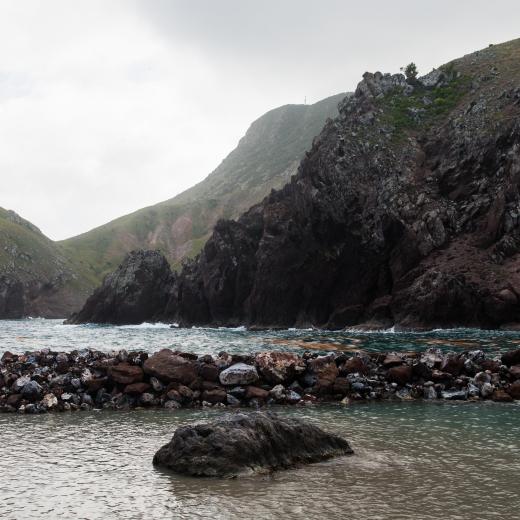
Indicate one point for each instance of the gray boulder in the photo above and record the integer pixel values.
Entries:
(236, 444)
(239, 374)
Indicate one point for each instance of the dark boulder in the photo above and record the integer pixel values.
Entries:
(136, 291)
(168, 366)
(400, 374)
(511, 358)
(241, 443)
(126, 374)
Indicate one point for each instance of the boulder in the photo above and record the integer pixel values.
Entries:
(356, 364)
(237, 444)
(217, 395)
(514, 371)
(209, 372)
(49, 401)
(325, 371)
(392, 359)
(126, 374)
(31, 391)
(401, 374)
(514, 390)
(501, 396)
(239, 374)
(453, 364)
(20, 383)
(511, 358)
(167, 366)
(254, 392)
(279, 367)
(136, 388)
(454, 395)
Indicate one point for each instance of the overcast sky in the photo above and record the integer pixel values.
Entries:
(109, 106)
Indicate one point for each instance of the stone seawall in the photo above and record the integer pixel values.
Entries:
(42, 381)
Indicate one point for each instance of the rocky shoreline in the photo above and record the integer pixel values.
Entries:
(46, 381)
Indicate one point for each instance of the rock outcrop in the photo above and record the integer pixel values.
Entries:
(245, 443)
(137, 291)
(405, 212)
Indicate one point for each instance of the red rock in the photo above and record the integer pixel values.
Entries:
(136, 388)
(279, 367)
(514, 371)
(174, 395)
(341, 386)
(400, 375)
(209, 385)
(185, 392)
(511, 358)
(326, 372)
(514, 390)
(254, 392)
(14, 400)
(356, 364)
(218, 395)
(392, 360)
(167, 366)
(209, 372)
(453, 364)
(126, 374)
(94, 384)
(8, 357)
(501, 396)
(490, 364)
(441, 377)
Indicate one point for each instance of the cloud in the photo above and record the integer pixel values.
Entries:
(106, 107)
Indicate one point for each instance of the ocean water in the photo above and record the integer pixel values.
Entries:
(26, 335)
(412, 460)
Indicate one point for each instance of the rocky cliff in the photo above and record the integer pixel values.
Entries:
(265, 158)
(404, 212)
(39, 277)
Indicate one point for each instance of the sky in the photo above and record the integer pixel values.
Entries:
(110, 106)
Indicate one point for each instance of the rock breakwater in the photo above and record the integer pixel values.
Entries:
(44, 381)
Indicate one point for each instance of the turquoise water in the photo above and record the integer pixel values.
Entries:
(412, 461)
(22, 335)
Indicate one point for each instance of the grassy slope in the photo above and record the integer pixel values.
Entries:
(265, 158)
(29, 256)
(493, 69)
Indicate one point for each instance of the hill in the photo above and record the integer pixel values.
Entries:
(265, 158)
(36, 276)
(405, 212)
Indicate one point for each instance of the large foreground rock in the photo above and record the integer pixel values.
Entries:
(245, 443)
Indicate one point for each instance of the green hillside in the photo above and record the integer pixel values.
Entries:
(265, 158)
(37, 277)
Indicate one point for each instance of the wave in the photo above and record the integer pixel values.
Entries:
(146, 325)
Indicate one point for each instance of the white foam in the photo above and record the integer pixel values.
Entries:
(146, 325)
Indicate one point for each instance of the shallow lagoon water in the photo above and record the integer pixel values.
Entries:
(412, 460)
